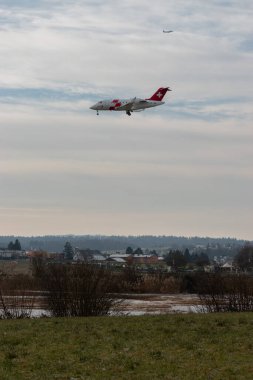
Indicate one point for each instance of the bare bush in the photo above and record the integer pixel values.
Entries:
(158, 283)
(132, 280)
(226, 293)
(77, 290)
(16, 298)
(171, 285)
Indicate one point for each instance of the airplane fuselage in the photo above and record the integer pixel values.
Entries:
(116, 104)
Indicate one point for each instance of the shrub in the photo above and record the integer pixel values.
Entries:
(77, 290)
(16, 298)
(222, 293)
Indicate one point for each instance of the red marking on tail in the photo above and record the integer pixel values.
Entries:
(159, 94)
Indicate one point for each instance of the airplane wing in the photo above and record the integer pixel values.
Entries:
(125, 107)
(128, 106)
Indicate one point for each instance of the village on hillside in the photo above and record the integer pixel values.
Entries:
(162, 260)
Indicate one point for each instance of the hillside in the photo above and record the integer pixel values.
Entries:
(107, 243)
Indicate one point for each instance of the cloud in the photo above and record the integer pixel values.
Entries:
(84, 46)
(183, 168)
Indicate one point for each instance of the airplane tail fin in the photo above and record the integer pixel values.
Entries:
(159, 94)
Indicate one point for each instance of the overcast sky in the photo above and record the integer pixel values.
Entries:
(185, 168)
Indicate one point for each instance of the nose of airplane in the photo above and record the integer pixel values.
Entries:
(93, 107)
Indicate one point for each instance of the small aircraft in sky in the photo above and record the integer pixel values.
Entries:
(167, 31)
(133, 104)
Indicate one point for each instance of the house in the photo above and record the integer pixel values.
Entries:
(123, 257)
(9, 254)
(52, 256)
(88, 255)
(115, 262)
(143, 259)
(227, 267)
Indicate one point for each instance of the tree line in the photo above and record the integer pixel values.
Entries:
(54, 243)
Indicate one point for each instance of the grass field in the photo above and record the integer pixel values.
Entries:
(189, 346)
(15, 266)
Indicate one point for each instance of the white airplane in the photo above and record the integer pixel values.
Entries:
(131, 105)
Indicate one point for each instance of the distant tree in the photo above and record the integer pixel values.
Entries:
(187, 255)
(17, 245)
(175, 259)
(202, 259)
(10, 245)
(14, 246)
(244, 258)
(138, 251)
(129, 251)
(68, 251)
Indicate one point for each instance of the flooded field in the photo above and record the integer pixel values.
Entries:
(129, 304)
(155, 304)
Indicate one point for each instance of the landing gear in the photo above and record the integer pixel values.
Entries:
(128, 113)
(97, 113)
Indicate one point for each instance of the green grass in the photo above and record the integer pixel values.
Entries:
(161, 347)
